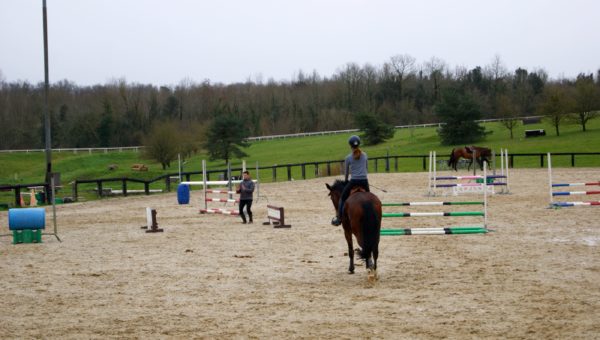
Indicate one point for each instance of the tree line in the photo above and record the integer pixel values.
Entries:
(398, 92)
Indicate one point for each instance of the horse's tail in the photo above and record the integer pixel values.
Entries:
(371, 226)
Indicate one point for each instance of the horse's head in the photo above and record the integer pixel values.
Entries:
(335, 192)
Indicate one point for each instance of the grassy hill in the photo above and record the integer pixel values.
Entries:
(29, 167)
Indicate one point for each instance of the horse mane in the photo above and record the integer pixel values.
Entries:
(338, 185)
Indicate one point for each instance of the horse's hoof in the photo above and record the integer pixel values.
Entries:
(351, 271)
(372, 275)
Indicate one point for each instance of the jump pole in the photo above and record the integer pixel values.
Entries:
(204, 182)
(53, 191)
(257, 183)
(504, 165)
(485, 194)
(550, 180)
(474, 161)
(429, 176)
(179, 166)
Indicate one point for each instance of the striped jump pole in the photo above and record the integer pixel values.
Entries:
(434, 231)
(569, 193)
(573, 204)
(219, 211)
(555, 185)
(211, 191)
(434, 214)
(464, 185)
(559, 204)
(223, 200)
(430, 203)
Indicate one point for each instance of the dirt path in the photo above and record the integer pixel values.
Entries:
(536, 276)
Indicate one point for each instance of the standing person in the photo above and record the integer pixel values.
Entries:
(356, 165)
(245, 190)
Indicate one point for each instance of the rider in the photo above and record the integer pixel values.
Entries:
(356, 164)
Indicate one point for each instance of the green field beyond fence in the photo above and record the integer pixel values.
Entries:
(23, 168)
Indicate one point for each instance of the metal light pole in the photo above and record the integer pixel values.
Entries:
(50, 185)
(46, 113)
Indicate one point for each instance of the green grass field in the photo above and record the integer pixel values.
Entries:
(30, 167)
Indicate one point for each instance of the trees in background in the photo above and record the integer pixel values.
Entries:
(587, 100)
(375, 131)
(556, 105)
(162, 144)
(225, 138)
(459, 112)
(399, 92)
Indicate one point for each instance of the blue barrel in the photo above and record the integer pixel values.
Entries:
(26, 218)
(183, 194)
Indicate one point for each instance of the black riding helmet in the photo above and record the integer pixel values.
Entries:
(354, 141)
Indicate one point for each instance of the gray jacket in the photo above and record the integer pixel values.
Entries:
(246, 189)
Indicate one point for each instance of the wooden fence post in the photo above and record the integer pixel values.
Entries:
(74, 191)
(18, 196)
(99, 187)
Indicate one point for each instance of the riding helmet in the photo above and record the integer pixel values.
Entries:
(354, 141)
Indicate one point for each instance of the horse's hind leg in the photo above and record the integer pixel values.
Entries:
(348, 235)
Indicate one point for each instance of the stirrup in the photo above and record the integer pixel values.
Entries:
(336, 221)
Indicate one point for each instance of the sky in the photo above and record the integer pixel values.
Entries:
(229, 41)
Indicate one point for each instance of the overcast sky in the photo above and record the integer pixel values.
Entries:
(226, 41)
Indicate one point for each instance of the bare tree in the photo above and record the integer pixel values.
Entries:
(403, 65)
(508, 113)
(497, 72)
(587, 100)
(435, 67)
(556, 105)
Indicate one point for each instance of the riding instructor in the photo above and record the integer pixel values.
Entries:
(356, 165)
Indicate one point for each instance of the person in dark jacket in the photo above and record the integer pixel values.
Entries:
(356, 164)
(245, 190)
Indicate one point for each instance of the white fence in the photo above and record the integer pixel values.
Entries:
(259, 138)
(78, 150)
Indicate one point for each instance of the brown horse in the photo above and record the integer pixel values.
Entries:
(361, 217)
(481, 154)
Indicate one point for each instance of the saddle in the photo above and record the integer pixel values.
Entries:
(357, 189)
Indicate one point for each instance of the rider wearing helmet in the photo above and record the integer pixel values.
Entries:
(356, 165)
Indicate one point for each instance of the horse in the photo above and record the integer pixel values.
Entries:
(481, 154)
(362, 217)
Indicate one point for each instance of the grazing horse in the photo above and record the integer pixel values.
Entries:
(361, 217)
(481, 154)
